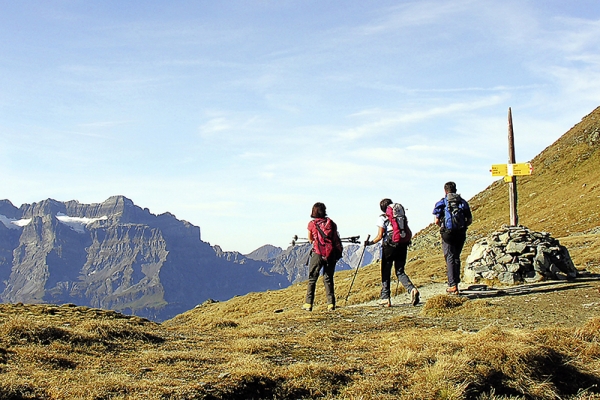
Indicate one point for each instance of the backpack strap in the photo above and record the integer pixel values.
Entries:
(320, 230)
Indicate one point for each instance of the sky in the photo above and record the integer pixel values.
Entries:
(238, 116)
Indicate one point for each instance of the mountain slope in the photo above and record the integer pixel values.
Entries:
(561, 197)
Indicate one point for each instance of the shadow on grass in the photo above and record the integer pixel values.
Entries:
(260, 387)
(552, 367)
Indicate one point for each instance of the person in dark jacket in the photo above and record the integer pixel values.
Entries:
(326, 251)
(392, 255)
(453, 215)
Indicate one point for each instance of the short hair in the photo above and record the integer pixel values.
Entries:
(450, 187)
(383, 204)
(318, 211)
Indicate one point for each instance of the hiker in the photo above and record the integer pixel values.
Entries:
(453, 216)
(326, 251)
(395, 235)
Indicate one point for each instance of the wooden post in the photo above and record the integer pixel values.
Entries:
(512, 185)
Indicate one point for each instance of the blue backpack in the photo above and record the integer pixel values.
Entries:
(454, 212)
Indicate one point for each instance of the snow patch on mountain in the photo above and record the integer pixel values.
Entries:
(12, 223)
(78, 224)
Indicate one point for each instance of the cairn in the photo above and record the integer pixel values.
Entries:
(515, 254)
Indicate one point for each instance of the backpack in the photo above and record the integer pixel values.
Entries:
(454, 213)
(327, 243)
(401, 233)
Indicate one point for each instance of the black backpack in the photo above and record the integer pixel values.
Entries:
(454, 213)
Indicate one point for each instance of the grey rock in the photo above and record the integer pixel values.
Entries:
(513, 268)
(505, 259)
(509, 278)
(477, 252)
(516, 247)
(533, 277)
(500, 268)
(489, 275)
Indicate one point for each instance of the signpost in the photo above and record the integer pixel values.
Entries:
(510, 172)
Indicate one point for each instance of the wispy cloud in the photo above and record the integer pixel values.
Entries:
(410, 14)
(392, 120)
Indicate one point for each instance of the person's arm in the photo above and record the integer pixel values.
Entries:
(379, 235)
(378, 238)
(310, 236)
(437, 212)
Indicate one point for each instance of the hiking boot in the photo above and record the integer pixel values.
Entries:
(452, 290)
(307, 307)
(330, 307)
(385, 302)
(414, 297)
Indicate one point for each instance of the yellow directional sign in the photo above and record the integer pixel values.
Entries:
(522, 169)
(499, 170)
(508, 170)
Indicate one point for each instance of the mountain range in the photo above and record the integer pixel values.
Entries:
(116, 255)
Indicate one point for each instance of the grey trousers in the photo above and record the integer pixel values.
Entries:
(314, 268)
(452, 245)
(395, 256)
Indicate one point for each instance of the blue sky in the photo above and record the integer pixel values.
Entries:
(237, 116)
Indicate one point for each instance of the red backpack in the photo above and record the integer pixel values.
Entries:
(401, 233)
(327, 242)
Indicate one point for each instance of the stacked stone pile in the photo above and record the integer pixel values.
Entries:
(516, 254)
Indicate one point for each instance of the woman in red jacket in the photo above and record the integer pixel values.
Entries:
(326, 251)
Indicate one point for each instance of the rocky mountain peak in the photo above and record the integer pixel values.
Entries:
(44, 207)
(8, 209)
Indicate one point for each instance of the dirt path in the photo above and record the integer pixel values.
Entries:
(550, 303)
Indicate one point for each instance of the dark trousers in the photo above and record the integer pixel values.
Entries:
(314, 268)
(395, 256)
(452, 245)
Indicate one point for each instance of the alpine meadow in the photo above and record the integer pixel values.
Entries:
(532, 341)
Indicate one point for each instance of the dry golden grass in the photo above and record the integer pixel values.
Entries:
(228, 350)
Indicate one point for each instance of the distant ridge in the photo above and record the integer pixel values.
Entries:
(265, 253)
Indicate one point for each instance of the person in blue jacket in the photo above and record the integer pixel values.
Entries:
(453, 216)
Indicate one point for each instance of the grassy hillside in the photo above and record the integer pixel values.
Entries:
(540, 343)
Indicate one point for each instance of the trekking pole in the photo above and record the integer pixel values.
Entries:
(357, 267)
(351, 239)
(295, 239)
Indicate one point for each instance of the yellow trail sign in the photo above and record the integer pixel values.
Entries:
(522, 169)
(511, 169)
(499, 170)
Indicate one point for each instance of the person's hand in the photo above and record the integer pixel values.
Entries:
(368, 243)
